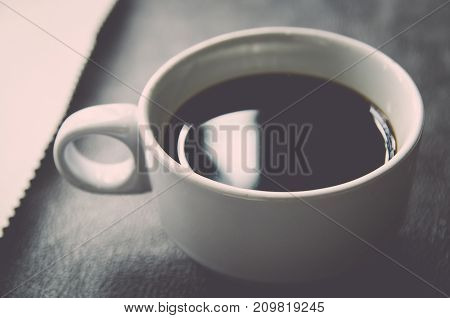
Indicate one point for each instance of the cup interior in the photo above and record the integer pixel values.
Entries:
(293, 50)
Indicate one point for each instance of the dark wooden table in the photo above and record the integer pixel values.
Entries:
(134, 258)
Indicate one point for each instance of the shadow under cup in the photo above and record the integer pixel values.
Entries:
(241, 232)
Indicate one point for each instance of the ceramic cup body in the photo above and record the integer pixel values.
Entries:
(250, 234)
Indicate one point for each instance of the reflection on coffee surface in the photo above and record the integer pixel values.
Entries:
(278, 132)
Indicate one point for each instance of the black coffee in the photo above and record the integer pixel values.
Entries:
(269, 132)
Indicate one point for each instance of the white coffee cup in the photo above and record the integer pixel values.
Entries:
(251, 234)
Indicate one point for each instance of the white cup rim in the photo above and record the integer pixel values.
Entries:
(198, 180)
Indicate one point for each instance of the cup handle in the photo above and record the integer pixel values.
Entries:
(114, 120)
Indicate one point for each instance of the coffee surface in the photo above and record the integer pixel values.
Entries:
(279, 132)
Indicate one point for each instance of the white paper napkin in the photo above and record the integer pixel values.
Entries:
(38, 75)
